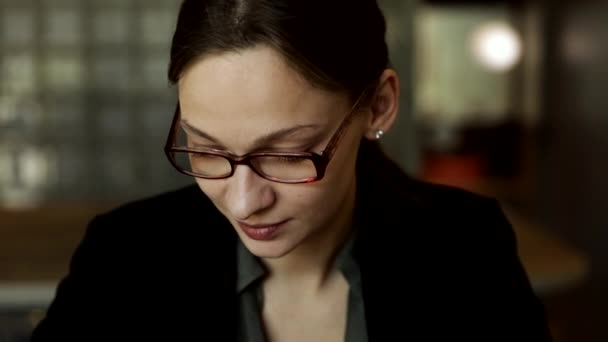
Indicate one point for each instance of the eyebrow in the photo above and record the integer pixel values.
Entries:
(264, 140)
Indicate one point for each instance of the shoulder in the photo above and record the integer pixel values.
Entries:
(454, 215)
(439, 218)
(448, 204)
(386, 188)
(460, 215)
(457, 233)
(160, 222)
(161, 205)
(434, 195)
(152, 236)
(390, 189)
(457, 249)
(172, 208)
(163, 247)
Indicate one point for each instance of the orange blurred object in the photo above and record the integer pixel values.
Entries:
(461, 170)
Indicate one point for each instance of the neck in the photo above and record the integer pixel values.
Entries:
(311, 264)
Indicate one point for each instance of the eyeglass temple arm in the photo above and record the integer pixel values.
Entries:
(341, 130)
(174, 128)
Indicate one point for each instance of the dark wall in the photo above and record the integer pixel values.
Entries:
(574, 148)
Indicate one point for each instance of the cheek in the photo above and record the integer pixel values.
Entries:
(213, 189)
(298, 195)
(313, 199)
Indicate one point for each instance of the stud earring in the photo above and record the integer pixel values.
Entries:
(379, 134)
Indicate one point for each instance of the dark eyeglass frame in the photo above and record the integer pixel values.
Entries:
(319, 160)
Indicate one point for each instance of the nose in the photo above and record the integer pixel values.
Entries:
(248, 193)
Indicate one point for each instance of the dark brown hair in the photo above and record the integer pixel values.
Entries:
(337, 45)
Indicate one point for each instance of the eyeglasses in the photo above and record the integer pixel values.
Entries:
(282, 167)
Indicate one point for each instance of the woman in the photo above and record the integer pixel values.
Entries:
(299, 228)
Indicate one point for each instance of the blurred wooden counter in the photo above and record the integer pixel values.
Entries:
(552, 264)
(36, 244)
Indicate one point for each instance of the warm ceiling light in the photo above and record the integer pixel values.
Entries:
(496, 46)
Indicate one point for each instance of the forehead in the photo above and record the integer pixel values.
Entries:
(255, 71)
(255, 86)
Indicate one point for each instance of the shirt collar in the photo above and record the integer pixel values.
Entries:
(347, 264)
(250, 269)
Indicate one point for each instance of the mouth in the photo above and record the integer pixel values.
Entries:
(262, 232)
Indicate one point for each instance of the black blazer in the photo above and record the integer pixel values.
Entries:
(437, 264)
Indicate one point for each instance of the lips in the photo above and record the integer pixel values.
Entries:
(262, 232)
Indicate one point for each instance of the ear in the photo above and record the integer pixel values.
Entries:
(384, 106)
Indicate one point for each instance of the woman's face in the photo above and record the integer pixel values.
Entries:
(238, 99)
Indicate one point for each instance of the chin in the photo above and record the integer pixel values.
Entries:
(266, 249)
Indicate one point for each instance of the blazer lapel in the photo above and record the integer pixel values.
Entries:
(203, 273)
(388, 219)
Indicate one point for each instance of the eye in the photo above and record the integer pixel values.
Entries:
(289, 159)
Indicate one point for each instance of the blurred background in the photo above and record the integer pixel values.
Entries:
(505, 98)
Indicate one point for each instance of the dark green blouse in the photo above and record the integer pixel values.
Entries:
(251, 272)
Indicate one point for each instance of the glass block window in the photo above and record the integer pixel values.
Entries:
(157, 26)
(63, 72)
(18, 72)
(114, 121)
(84, 102)
(154, 64)
(65, 114)
(63, 26)
(111, 26)
(112, 71)
(18, 27)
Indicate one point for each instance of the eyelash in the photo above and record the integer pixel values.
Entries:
(308, 149)
(289, 159)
